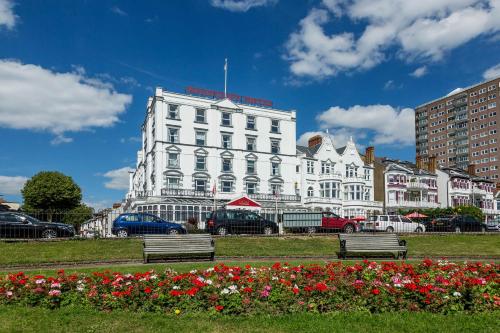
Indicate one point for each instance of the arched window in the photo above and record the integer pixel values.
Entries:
(310, 192)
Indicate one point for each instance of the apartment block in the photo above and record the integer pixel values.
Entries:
(462, 129)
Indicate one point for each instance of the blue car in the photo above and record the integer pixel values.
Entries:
(141, 223)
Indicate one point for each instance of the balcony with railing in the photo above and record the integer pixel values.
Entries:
(411, 204)
(272, 197)
(322, 200)
(417, 186)
(332, 175)
(179, 192)
(143, 194)
(354, 179)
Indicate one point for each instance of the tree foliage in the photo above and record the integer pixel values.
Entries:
(51, 191)
(78, 215)
(442, 212)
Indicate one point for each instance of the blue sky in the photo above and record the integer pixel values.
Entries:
(75, 75)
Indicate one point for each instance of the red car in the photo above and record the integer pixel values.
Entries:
(313, 222)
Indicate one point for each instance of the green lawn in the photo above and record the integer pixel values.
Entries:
(20, 319)
(24, 253)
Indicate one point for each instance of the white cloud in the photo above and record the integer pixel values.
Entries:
(132, 139)
(389, 85)
(419, 72)
(118, 11)
(12, 185)
(99, 205)
(492, 72)
(454, 91)
(118, 179)
(7, 16)
(241, 5)
(412, 30)
(389, 125)
(35, 98)
(339, 136)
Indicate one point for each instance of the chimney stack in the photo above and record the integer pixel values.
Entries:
(370, 155)
(314, 141)
(471, 169)
(432, 165)
(420, 164)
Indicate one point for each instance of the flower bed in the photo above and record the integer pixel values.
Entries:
(433, 286)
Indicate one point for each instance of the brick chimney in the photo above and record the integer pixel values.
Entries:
(471, 169)
(314, 141)
(432, 165)
(420, 163)
(370, 155)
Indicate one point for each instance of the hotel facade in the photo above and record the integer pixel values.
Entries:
(199, 153)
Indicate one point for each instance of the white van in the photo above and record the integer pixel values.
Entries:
(392, 223)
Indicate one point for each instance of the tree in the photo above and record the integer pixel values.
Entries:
(470, 210)
(51, 191)
(78, 215)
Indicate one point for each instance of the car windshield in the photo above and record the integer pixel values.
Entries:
(30, 219)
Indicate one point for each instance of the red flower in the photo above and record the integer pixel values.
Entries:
(320, 286)
(295, 291)
(192, 291)
(176, 293)
(147, 290)
(219, 308)
(247, 290)
(375, 291)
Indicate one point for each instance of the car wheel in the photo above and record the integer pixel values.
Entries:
(122, 233)
(311, 230)
(349, 229)
(419, 230)
(222, 231)
(173, 232)
(268, 231)
(49, 233)
(457, 230)
(390, 229)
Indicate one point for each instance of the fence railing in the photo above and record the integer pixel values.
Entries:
(112, 224)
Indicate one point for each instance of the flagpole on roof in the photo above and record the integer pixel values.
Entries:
(225, 78)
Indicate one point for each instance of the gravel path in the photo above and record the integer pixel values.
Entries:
(100, 264)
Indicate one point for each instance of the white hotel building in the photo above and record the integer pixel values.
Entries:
(191, 144)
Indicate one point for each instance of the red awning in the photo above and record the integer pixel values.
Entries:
(415, 215)
(243, 202)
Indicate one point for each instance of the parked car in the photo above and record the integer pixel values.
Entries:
(493, 225)
(314, 222)
(229, 221)
(392, 223)
(457, 223)
(19, 225)
(142, 223)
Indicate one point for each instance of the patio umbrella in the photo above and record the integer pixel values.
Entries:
(359, 218)
(415, 215)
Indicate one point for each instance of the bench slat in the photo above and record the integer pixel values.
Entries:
(178, 245)
(376, 244)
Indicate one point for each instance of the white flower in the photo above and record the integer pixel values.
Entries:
(224, 291)
(40, 281)
(55, 285)
(274, 278)
(209, 282)
(192, 271)
(211, 269)
(154, 277)
(457, 294)
(230, 275)
(233, 289)
(80, 287)
(176, 287)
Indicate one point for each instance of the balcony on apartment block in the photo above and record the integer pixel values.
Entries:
(411, 204)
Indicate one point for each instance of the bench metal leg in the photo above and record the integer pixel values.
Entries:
(212, 256)
(145, 258)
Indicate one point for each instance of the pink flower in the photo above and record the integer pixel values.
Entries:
(54, 292)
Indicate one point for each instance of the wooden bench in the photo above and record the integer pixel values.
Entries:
(176, 246)
(363, 245)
